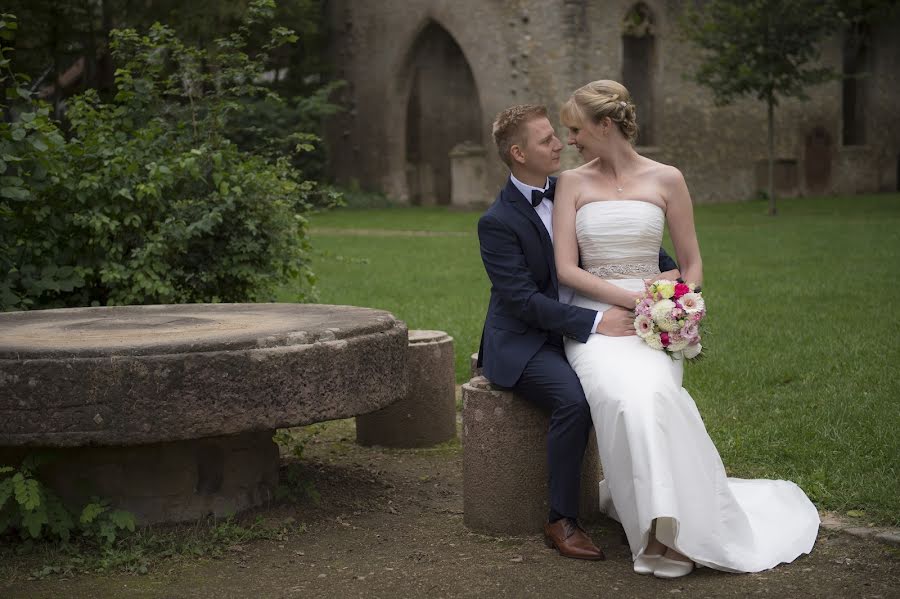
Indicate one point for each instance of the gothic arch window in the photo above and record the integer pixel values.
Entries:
(639, 67)
(855, 87)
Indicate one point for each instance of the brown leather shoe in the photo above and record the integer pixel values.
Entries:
(570, 540)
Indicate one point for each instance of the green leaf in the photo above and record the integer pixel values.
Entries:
(27, 490)
(90, 512)
(122, 519)
(38, 144)
(6, 490)
(107, 531)
(33, 521)
(59, 519)
(15, 193)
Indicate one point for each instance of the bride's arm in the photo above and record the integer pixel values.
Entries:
(565, 249)
(680, 219)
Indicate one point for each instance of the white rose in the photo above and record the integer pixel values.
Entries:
(654, 341)
(662, 315)
(677, 345)
(692, 351)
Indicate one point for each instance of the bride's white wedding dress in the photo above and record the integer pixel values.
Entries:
(658, 460)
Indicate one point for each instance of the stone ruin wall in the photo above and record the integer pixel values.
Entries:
(529, 51)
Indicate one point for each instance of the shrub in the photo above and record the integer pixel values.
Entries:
(147, 200)
(36, 512)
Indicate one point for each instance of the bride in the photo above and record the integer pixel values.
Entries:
(664, 479)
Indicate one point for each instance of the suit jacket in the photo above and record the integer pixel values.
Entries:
(524, 311)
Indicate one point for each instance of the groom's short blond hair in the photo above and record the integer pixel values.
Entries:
(509, 128)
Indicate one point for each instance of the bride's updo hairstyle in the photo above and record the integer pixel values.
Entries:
(598, 99)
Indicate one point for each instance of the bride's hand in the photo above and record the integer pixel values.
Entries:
(638, 296)
(669, 275)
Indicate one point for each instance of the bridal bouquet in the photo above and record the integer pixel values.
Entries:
(668, 317)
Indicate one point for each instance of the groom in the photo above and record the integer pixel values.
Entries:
(522, 342)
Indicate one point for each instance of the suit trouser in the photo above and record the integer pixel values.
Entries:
(549, 382)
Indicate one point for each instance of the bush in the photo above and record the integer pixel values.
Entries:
(36, 512)
(147, 200)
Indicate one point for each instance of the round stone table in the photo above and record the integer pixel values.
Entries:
(168, 411)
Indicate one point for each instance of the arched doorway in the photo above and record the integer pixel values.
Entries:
(443, 111)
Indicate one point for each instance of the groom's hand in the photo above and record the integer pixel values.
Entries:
(617, 322)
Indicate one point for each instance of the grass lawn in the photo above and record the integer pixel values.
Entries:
(802, 376)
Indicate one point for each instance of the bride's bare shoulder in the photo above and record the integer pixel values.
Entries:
(577, 174)
(665, 174)
(570, 179)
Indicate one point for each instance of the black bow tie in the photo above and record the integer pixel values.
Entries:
(537, 195)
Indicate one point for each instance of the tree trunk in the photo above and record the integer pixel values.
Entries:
(771, 152)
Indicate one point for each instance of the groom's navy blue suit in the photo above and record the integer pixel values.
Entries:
(521, 345)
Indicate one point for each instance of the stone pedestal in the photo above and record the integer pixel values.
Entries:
(476, 370)
(505, 463)
(165, 482)
(468, 168)
(426, 416)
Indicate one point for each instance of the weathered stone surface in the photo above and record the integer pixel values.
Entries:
(473, 365)
(148, 374)
(508, 52)
(505, 463)
(468, 168)
(427, 415)
(167, 482)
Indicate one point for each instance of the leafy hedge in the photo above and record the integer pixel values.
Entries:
(145, 198)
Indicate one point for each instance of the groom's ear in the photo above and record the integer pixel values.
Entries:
(516, 153)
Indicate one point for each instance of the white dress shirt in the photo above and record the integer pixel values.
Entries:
(545, 213)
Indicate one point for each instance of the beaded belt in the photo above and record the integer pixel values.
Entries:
(625, 270)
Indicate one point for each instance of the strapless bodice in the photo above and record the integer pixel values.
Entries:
(620, 239)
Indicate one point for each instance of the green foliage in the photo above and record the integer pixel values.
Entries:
(98, 520)
(57, 35)
(761, 48)
(283, 128)
(293, 486)
(27, 506)
(149, 200)
(141, 551)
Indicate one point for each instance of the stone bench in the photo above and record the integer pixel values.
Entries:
(426, 416)
(169, 411)
(505, 463)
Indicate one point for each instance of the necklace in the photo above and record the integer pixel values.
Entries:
(619, 189)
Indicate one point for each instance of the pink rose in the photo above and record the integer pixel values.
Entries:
(690, 329)
(664, 337)
(644, 306)
(681, 289)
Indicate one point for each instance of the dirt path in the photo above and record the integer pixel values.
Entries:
(389, 524)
